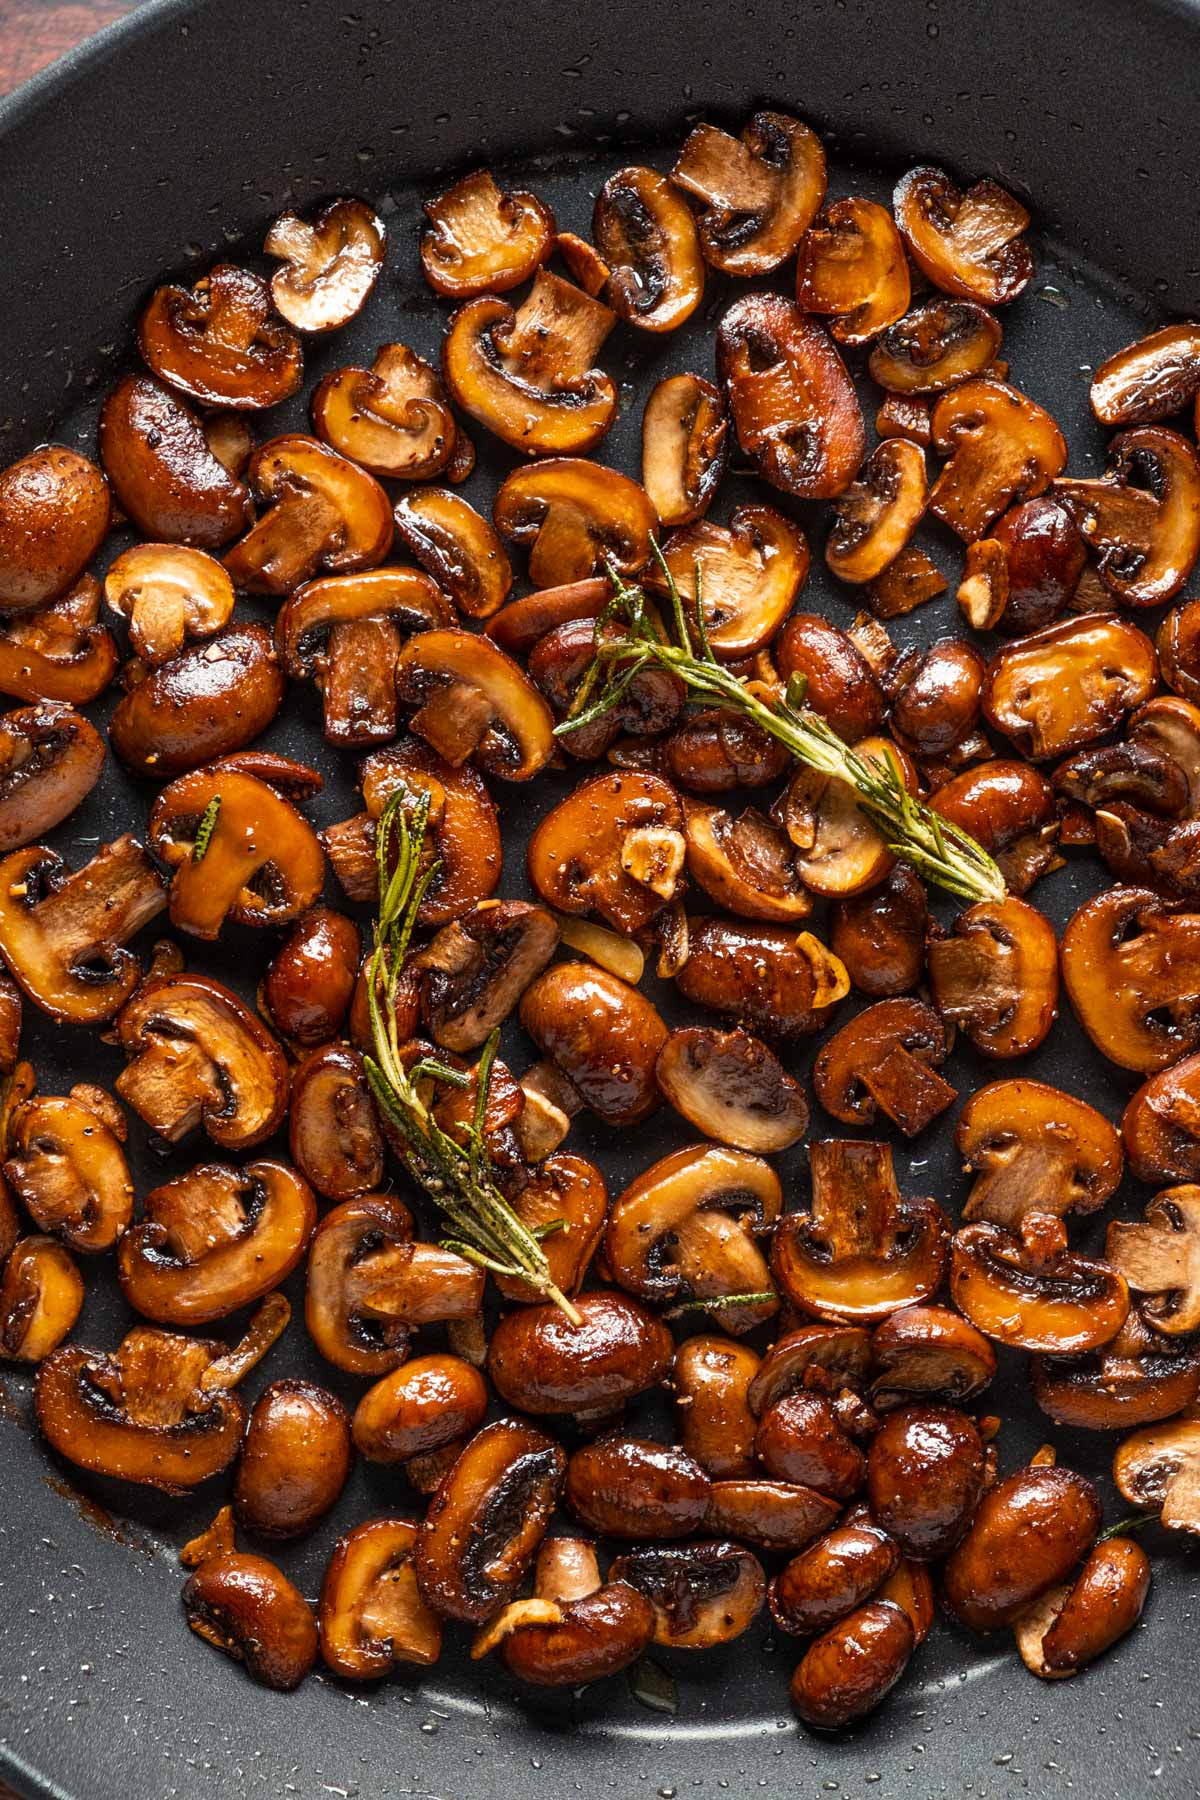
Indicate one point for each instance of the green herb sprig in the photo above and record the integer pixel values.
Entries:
(939, 851)
(458, 1177)
(205, 829)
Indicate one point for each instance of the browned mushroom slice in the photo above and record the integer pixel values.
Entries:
(1133, 772)
(574, 1630)
(1179, 649)
(578, 517)
(886, 1060)
(329, 267)
(1009, 808)
(1150, 379)
(732, 1088)
(457, 547)
(333, 1129)
(968, 244)
(996, 976)
(839, 682)
(471, 699)
(344, 632)
(372, 1615)
(703, 1593)
(50, 758)
(170, 595)
(603, 1035)
(1160, 1468)
(936, 695)
(1071, 1625)
(879, 512)
(904, 416)
(852, 265)
(745, 864)
(322, 512)
(393, 418)
(237, 850)
(794, 406)
(199, 1057)
(817, 1358)
(41, 1297)
(646, 235)
(59, 652)
(63, 935)
(927, 1352)
(747, 574)
(761, 190)
(769, 977)
(66, 1165)
(685, 445)
(209, 701)
(245, 1607)
(568, 1192)
(1002, 448)
(1070, 684)
(1136, 1378)
(1161, 1258)
(1142, 518)
(614, 847)
(936, 346)
(484, 241)
(220, 343)
(838, 850)
(907, 582)
(215, 1239)
(164, 472)
(55, 509)
(529, 376)
(1131, 964)
(1031, 1291)
(1161, 1125)
(474, 972)
(1029, 1532)
(862, 1249)
(1034, 1149)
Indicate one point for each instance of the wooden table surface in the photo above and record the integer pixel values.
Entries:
(34, 32)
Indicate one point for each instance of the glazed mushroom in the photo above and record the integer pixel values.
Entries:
(1136, 1378)
(1160, 1257)
(199, 1057)
(474, 972)
(578, 517)
(372, 1616)
(649, 704)
(939, 344)
(529, 375)
(886, 1061)
(685, 446)
(345, 632)
(879, 936)
(832, 1577)
(1069, 684)
(1141, 519)
(295, 1459)
(731, 1087)
(55, 509)
(713, 751)
(457, 547)
(711, 1377)
(1179, 649)
(50, 760)
(334, 1132)
(704, 1593)
(63, 936)
(60, 652)
(219, 343)
(1030, 1291)
(1149, 380)
(322, 512)
(1010, 809)
(575, 1629)
(936, 699)
(482, 240)
(1002, 448)
(839, 682)
(329, 267)
(838, 851)
(778, 982)
(245, 1607)
(67, 1166)
(1069, 1626)
(309, 984)
(862, 1249)
(1034, 1149)
(826, 1359)
(426, 1404)
(851, 1668)
(747, 574)
(214, 1240)
(793, 404)
(1161, 1125)
(1160, 1468)
(1131, 964)
(996, 976)
(237, 849)
(627, 1487)
(165, 474)
(800, 1439)
(852, 265)
(1029, 1533)
(393, 419)
(928, 1352)
(543, 1364)
(925, 1476)
(686, 1228)
(760, 191)
(211, 700)
(471, 699)
(1023, 575)
(907, 582)
(879, 512)
(646, 235)
(968, 244)
(171, 595)
(615, 847)
(41, 1297)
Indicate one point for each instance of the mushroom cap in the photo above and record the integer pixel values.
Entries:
(170, 594)
(968, 244)
(517, 736)
(458, 548)
(163, 470)
(50, 759)
(886, 1060)
(761, 191)
(939, 344)
(748, 574)
(851, 263)
(1150, 379)
(55, 509)
(329, 267)
(1034, 1148)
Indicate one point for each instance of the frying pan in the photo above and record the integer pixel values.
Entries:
(160, 146)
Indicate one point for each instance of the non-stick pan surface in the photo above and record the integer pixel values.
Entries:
(174, 137)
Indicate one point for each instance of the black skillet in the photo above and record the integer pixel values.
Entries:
(157, 147)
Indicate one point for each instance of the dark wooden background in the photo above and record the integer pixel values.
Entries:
(34, 32)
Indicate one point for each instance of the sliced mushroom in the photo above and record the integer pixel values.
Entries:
(219, 342)
(886, 1060)
(1160, 1257)
(1136, 1378)
(568, 1193)
(215, 1239)
(935, 347)
(704, 1593)
(646, 235)
(521, 625)
(333, 1130)
(936, 698)
(1009, 808)
(323, 512)
(199, 1057)
(1131, 964)
(578, 517)
(685, 446)
(1034, 1149)
(879, 936)
(614, 847)
(838, 851)
(329, 267)
(67, 1167)
(747, 575)
(529, 375)
(457, 547)
(63, 936)
(907, 582)
(862, 1249)
(794, 406)
(41, 1297)
(821, 1358)
(393, 419)
(1030, 1291)
(575, 1630)
(372, 1616)
(60, 653)
(472, 699)
(1029, 1533)
(761, 191)
(295, 1459)
(171, 595)
(482, 240)
(209, 701)
(778, 982)
(55, 510)
(733, 1088)
(247, 1608)
(165, 474)
(50, 759)
(745, 864)
(1002, 448)
(474, 972)
(1149, 380)
(1069, 684)
(852, 265)
(711, 1376)
(1141, 519)
(879, 512)
(968, 244)
(1160, 1468)
(996, 976)
(1179, 649)
(839, 682)
(1161, 1125)
(1069, 1626)
(928, 1352)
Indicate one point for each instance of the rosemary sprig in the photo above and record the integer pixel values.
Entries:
(458, 1177)
(719, 1303)
(936, 849)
